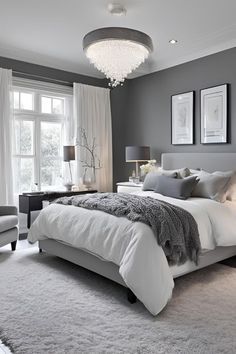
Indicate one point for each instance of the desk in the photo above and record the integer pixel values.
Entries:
(34, 201)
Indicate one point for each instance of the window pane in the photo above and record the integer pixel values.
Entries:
(51, 173)
(46, 105)
(16, 97)
(23, 174)
(51, 139)
(24, 133)
(57, 106)
(26, 101)
(51, 162)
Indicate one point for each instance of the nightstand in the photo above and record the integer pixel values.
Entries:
(128, 187)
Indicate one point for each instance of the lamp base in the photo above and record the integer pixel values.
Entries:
(68, 186)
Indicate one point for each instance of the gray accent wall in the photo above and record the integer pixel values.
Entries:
(147, 118)
(141, 108)
(47, 72)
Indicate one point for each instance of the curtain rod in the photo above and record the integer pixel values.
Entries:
(43, 78)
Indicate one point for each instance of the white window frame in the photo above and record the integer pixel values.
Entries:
(39, 89)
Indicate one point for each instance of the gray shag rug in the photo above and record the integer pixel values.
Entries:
(48, 305)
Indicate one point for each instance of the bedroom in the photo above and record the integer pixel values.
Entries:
(67, 307)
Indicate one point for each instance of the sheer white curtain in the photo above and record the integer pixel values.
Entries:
(6, 118)
(92, 114)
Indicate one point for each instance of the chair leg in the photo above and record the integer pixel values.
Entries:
(13, 245)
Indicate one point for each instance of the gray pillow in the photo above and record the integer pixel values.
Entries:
(175, 187)
(211, 186)
(150, 180)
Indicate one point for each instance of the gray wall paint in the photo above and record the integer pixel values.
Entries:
(148, 121)
(49, 73)
(141, 108)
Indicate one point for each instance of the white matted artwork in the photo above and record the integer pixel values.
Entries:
(182, 114)
(214, 115)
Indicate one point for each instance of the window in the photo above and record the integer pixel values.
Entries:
(52, 105)
(23, 100)
(39, 123)
(50, 154)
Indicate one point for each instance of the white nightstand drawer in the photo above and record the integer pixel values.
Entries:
(128, 187)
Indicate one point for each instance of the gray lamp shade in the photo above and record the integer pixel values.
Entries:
(68, 152)
(137, 153)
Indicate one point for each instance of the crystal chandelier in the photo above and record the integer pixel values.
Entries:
(117, 51)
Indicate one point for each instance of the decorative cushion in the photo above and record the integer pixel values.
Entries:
(7, 222)
(8, 210)
(211, 186)
(150, 180)
(176, 187)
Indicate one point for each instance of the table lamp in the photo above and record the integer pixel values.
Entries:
(137, 154)
(68, 156)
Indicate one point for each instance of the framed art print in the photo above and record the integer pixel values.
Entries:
(214, 115)
(182, 117)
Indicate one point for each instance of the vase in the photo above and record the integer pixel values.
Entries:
(89, 178)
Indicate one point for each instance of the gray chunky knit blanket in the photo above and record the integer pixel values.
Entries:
(175, 229)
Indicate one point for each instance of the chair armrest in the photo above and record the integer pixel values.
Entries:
(8, 210)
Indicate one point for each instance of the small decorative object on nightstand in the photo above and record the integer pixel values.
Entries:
(148, 167)
(128, 187)
(137, 154)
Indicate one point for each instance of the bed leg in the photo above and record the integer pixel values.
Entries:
(131, 297)
(40, 250)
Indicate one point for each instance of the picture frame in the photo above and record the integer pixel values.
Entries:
(182, 118)
(214, 115)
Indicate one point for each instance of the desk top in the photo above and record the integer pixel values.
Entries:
(54, 194)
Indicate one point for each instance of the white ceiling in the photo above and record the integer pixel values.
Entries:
(50, 32)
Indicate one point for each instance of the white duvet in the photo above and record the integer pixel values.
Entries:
(132, 246)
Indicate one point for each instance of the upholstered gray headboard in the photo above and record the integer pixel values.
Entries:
(209, 161)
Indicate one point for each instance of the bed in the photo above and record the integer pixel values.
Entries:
(129, 258)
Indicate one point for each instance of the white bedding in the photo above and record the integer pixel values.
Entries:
(132, 246)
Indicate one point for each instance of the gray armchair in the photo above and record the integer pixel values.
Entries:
(8, 226)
